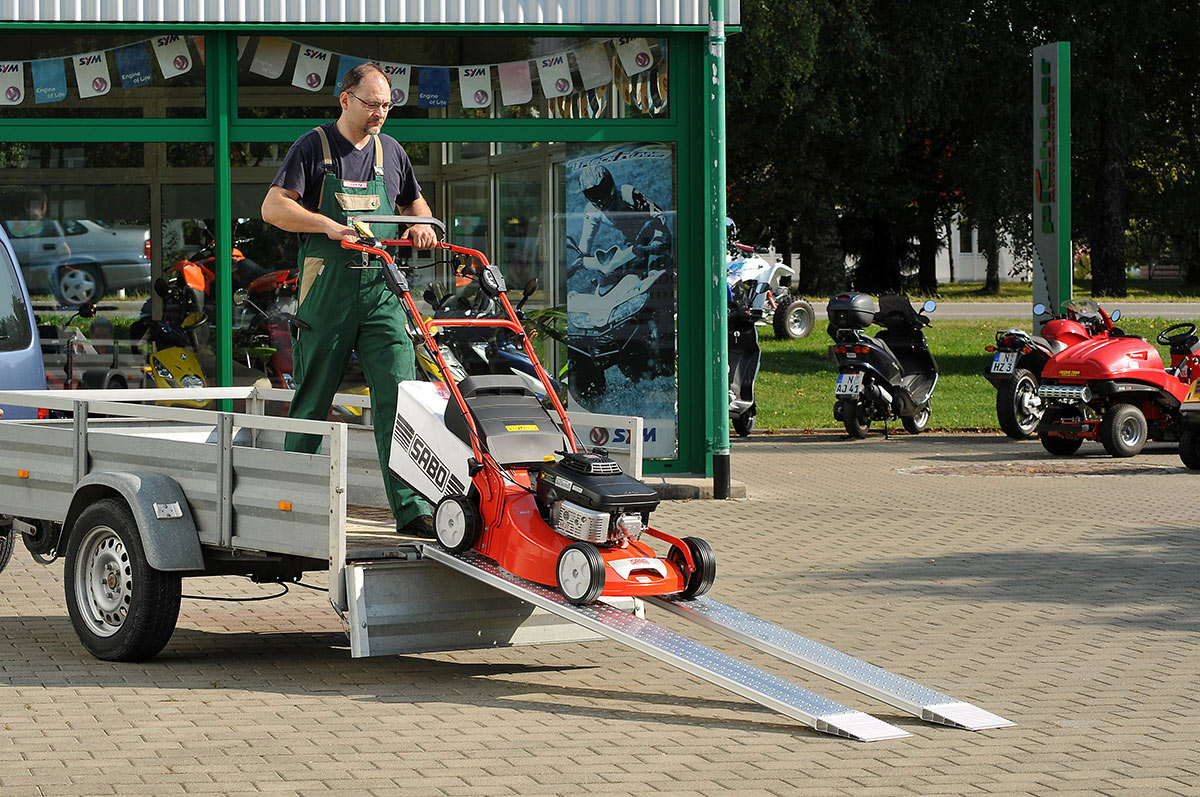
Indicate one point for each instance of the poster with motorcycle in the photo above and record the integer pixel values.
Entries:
(621, 286)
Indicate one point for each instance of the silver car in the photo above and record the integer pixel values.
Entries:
(20, 350)
(81, 260)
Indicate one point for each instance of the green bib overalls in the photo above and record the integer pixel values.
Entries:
(350, 309)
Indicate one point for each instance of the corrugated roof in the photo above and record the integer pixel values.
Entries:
(451, 12)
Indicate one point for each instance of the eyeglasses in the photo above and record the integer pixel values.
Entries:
(374, 106)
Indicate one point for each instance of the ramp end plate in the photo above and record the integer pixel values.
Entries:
(964, 715)
(860, 726)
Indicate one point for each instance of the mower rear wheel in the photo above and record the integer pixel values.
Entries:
(1189, 449)
(456, 523)
(1059, 446)
(702, 578)
(580, 573)
(1123, 430)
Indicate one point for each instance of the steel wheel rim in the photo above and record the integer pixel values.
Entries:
(451, 523)
(77, 285)
(922, 416)
(574, 573)
(1029, 406)
(103, 581)
(798, 320)
(1131, 432)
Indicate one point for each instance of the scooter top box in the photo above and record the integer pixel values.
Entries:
(850, 311)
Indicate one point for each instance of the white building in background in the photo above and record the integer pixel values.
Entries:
(970, 264)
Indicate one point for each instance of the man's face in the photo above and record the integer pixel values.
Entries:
(374, 90)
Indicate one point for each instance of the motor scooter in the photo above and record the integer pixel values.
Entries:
(744, 352)
(96, 361)
(1018, 357)
(1115, 389)
(891, 375)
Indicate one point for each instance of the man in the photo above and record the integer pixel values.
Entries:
(638, 221)
(340, 169)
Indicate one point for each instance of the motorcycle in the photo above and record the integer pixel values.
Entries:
(199, 270)
(625, 318)
(74, 361)
(744, 352)
(1018, 358)
(1115, 389)
(891, 375)
(263, 333)
(791, 317)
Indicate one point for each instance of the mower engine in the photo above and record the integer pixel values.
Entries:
(589, 498)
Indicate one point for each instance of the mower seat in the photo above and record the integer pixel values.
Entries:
(513, 425)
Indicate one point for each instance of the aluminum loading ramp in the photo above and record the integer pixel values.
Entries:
(737, 676)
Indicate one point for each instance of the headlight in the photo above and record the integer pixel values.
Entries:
(162, 371)
(191, 380)
(583, 323)
(629, 307)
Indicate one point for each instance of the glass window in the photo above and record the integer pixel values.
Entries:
(15, 324)
(458, 77)
(101, 75)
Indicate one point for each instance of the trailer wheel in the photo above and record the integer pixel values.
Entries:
(1189, 449)
(8, 538)
(705, 573)
(456, 523)
(580, 573)
(1123, 430)
(121, 608)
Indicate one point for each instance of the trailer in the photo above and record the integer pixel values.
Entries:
(135, 497)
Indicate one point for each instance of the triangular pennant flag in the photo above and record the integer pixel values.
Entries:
(312, 65)
(516, 86)
(12, 82)
(433, 87)
(172, 55)
(242, 42)
(595, 66)
(49, 80)
(270, 57)
(199, 42)
(400, 76)
(554, 72)
(133, 65)
(658, 88)
(475, 86)
(345, 64)
(91, 74)
(635, 54)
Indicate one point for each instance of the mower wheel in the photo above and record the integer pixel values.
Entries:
(1059, 446)
(1123, 430)
(702, 578)
(456, 523)
(1189, 449)
(580, 573)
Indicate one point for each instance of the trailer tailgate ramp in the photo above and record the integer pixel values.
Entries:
(692, 657)
(926, 703)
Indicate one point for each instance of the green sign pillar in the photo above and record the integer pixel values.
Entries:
(714, 90)
(1052, 261)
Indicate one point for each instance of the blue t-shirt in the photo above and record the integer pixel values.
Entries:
(303, 168)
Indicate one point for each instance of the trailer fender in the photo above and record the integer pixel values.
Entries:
(164, 521)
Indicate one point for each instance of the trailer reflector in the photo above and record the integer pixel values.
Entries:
(285, 506)
(22, 474)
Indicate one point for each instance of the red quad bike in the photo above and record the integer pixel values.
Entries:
(1115, 389)
(1018, 358)
(509, 480)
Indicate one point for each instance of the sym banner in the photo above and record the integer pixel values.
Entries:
(621, 277)
(1051, 177)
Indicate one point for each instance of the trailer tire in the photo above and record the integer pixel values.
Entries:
(580, 573)
(702, 578)
(1189, 449)
(122, 609)
(456, 523)
(8, 539)
(1123, 430)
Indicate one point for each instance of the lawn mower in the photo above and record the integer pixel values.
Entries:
(508, 477)
(1115, 389)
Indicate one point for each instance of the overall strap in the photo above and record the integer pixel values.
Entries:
(378, 156)
(325, 151)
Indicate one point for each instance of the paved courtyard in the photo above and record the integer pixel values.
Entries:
(1063, 594)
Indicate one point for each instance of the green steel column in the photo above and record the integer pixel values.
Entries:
(222, 57)
(714, 158)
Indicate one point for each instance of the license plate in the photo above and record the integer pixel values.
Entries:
(848, 385)
(1004, 362)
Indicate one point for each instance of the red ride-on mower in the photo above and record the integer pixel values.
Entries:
(1115, 389)
(507, 476)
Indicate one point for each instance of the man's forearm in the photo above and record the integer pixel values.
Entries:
(280, 210)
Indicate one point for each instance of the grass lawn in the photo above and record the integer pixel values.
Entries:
(795, 384)
(1139, 290)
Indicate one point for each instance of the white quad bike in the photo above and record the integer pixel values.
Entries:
(792, 317)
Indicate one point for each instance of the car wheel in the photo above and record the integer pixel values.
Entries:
(75, 285)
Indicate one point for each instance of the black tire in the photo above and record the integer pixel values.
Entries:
(794, 319)
(1123, 430)
(854, 419)
(8, 540)
(1059, 446)
(122, 608)
(702, 578)
(1189, 448)
(744, 423)
(1017, 407)
(456, 523)
(75, 285)
(580, 573)
(919, 422)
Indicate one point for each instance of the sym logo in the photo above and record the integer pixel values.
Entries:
(598, 435)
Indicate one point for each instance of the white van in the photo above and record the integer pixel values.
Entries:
(20, 350)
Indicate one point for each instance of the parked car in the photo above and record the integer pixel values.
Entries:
(80, 260)
(20, 352)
